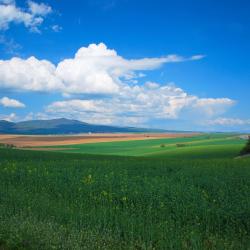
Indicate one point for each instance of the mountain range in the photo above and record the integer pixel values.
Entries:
(63, 126)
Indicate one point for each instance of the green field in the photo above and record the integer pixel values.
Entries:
(127, 195)
(202, 146)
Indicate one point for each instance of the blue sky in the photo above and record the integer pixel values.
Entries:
(167, 64)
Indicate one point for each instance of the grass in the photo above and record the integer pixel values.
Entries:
(168, 200)
(198, 146)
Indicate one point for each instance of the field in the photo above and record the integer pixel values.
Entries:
(192, 146)
(50, 140)
(167, 193)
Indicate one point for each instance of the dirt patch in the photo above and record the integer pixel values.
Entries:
(4, 137)
(36, 141)
(242, 156)
(48, 149)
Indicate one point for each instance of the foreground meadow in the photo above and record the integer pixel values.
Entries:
(51, 200)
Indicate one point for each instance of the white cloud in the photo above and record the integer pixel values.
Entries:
(39, 9)
(77, 105)
(98, 70)
(152, 85)
(140, 105)
(94, 69)
(229, 122)
(213, 106)
(37, 116)
(56, 28)
(28, 75)
(32, 17)
(10, 118)
(11, 103)
(197, 57)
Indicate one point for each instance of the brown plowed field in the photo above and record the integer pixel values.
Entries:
(53, 140)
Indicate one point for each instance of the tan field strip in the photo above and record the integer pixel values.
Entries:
(54, 140)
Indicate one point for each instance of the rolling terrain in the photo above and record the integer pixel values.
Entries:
(183, 193)
(50, 140)
(198, 146)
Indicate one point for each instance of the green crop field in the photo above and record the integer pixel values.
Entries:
(201, 146)
(186, 193)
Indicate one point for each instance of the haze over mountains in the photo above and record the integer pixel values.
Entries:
(63, 126)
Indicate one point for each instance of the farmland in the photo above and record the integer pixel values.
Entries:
(55, 140)
(165, 193)
(194, 146)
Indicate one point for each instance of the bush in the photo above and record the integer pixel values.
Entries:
(163, 145)
(246, 149)
(5, 145)
(179, 145)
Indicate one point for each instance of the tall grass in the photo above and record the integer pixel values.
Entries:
(70, 201)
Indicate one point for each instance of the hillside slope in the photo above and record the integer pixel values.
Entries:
(63, 126)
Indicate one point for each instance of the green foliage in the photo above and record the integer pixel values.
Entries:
(246, 149)
(53, 200)
(5, 145)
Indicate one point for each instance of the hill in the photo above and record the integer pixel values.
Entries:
(53, 200)
(63, 126)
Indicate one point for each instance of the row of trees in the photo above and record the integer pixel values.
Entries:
(5, 145)
(246, 149)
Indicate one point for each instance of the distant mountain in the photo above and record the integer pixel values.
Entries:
(63, 126)
(6, 127)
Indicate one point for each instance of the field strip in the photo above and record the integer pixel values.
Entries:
(40, 141)
(7, 136)
(171, 149)
(166, 146)
(48, 149)
(194, 142)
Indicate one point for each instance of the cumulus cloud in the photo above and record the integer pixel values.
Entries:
(97, 69)
(10, 118)
(28, 75)
(110, 81)
(229, 121)
(213, 106)
(11, 103)
(39, 9)
(94, 69)
(139, 105)
(32, 17)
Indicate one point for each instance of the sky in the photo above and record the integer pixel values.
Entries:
(178, 65)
